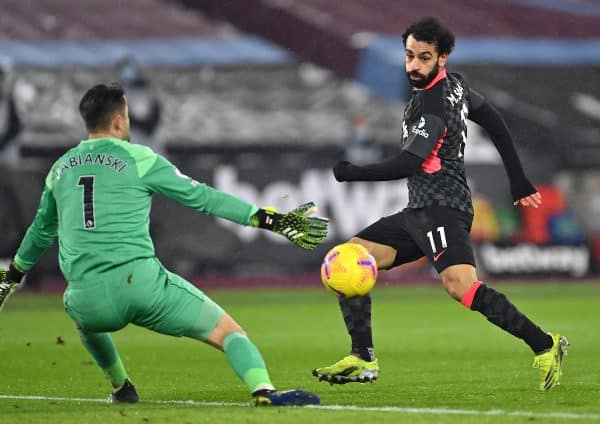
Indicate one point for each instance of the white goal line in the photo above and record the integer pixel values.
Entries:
(397, 409)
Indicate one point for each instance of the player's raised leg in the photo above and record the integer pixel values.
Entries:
(462, 284)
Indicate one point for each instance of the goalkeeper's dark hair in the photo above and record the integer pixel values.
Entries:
(431, 31)
(100, 103)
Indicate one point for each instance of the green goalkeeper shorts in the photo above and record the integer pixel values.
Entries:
(143, 293)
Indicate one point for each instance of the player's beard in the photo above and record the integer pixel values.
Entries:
(425, 79)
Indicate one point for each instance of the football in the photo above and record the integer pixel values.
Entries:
(348, 270)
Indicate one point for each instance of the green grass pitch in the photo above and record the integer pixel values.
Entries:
(439, 362)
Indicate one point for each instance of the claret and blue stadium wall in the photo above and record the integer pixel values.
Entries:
(547, 242)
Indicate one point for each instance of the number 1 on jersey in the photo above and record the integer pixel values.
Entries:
(87, 182)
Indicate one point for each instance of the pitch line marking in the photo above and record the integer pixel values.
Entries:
(399, 409)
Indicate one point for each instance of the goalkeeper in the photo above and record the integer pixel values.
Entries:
(96, 202)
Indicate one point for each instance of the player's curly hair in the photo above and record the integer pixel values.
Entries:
(431, 31)
(99, 104)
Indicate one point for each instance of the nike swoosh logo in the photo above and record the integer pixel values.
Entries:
(436, 257)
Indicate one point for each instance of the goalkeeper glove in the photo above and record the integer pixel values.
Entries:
(297, 226)
(8, 281)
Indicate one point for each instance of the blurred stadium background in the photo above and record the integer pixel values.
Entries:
(260, 97)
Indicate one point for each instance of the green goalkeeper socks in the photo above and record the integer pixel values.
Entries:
(246, 361)
(116, 373)
(102, 348)
(244, 357)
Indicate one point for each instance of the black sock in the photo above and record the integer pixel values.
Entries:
(357, 316)
(500, 311)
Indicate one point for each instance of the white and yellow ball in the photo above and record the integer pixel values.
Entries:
(348, 270)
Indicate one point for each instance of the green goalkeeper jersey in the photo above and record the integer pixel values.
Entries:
(97, 200)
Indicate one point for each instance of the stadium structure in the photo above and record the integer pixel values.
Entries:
(258, 98)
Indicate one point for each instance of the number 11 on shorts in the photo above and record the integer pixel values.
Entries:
(442, 234)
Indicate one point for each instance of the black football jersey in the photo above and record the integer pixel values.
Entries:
(437, 116)
(433, 141)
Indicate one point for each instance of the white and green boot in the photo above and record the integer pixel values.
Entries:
(350, 369)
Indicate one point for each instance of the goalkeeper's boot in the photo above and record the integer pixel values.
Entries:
(549, 362)
(351, 369)
(124, 394)
(287, 398)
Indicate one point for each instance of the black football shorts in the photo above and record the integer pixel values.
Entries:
(438, 232)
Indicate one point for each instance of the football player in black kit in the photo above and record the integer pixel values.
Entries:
(437, 220)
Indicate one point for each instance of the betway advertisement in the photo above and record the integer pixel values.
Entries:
(193, 244)
(530, 259)
(352, 206)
